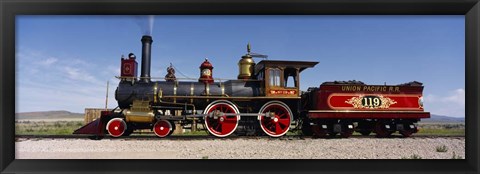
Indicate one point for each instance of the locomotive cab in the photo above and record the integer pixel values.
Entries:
(281, 78)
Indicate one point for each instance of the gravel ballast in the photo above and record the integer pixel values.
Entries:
(351, 148)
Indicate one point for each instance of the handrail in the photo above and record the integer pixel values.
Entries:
(163, 78)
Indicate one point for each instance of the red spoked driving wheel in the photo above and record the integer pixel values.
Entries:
(217, 122)
(162, 128)
(116, 127)
(277, 118)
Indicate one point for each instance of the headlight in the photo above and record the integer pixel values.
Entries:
(420, 101)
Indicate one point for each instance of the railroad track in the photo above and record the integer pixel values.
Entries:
(207, 137)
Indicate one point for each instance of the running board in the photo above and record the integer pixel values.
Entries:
(184, 117)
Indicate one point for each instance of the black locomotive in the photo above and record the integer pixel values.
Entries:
(264, 99)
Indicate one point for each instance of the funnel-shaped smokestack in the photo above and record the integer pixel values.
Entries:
(146, 58)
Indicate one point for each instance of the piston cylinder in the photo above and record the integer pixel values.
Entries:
(140, 112)
(139, 117)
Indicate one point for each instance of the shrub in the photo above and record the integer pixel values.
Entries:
(414, 156)
(442, 148)
(57, 124)
(455, 156)
(29, 130)
(79, 124)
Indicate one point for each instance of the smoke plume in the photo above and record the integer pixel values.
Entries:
(145, 23)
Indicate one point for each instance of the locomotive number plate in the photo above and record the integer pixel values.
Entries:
(371, 102)
(355, 101)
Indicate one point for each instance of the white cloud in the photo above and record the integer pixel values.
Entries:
(73, 73)
(451, 104)
(457, 97)
(49, 61)
(46, 82)
(81, 75)
(79, 62)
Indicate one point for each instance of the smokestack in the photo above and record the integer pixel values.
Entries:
(146, 58)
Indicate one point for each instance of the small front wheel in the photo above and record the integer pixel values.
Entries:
(162, 128)
(116, 127)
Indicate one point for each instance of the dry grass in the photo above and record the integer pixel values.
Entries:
(457, 129)
(46, 127)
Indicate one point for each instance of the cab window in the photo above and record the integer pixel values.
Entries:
(290, 78)
(290, 82)
(274, 77)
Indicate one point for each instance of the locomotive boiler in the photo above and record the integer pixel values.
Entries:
(264, 99)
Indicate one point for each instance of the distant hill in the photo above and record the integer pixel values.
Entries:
(443, 119)
(48, 115)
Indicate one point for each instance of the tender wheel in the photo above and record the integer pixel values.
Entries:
(116, 127)
(365, 127)
(217, 122)
(307, 128)
(407, 133)
(408, 129)
(162, 128)
(277, 121)
(381, 130)
(319, 132)
(347, 129)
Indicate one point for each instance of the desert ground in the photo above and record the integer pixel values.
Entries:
(264, 148)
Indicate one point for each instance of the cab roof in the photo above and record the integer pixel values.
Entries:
(301, 65)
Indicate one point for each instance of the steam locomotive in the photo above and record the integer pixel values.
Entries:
(264, 99)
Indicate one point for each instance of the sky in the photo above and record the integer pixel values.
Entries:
(64, 62)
